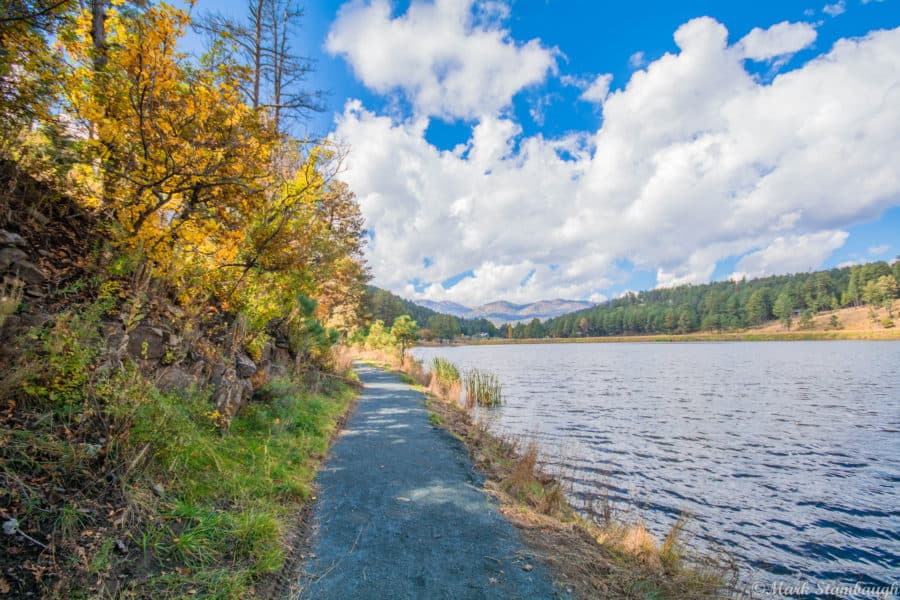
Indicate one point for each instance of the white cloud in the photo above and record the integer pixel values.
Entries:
(696, 161)
(850, 263)
(450, 58)
(598, 90)
(791, 254)
(838, 8)
(879, 250)
(777, 40)
(637, 60)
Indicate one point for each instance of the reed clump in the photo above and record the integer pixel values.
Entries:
(444, 371)
(445, 380)
(528, 483)
(483, 388)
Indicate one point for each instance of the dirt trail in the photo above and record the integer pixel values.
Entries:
(401, 513)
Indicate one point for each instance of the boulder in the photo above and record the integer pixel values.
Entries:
(217, 373)
(232, 394)
(28, 272)
(147, 342)
(8, 238)
(176, 378)
(244, 365)
(10, 257)
(274, 371)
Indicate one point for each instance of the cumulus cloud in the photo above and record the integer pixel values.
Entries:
(879, 249)
(777, 40)
(791, 254)
(637, 60)
(838, 8)
(597, 91)
(451, 58)
(696, 161)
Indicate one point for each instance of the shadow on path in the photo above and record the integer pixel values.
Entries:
(401, 513)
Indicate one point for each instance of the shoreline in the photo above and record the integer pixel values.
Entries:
(591, 557)
(877, 335)
(599, 556)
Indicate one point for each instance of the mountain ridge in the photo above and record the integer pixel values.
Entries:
(503, 311)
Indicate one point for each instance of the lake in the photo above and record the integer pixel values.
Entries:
(787, 454)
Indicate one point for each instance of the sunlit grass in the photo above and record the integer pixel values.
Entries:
(483, 388)
(231, 492)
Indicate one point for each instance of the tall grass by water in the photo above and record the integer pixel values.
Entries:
(444, 371)
(445, 380)
(483, 388)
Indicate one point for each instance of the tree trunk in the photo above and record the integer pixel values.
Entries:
(256, 9)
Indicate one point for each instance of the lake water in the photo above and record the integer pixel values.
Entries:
(785, 453)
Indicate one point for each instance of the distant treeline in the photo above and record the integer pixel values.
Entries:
(725, 305)
(717, 306)
(385, 306)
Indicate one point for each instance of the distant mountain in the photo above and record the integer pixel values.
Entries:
(385, 306)
(447, 308)
(506, 312)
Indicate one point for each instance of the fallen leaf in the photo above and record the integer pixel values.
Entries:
(527, 567)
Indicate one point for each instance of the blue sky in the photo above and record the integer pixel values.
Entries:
(534, 149)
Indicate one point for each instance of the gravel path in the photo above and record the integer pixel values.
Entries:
(401, 513)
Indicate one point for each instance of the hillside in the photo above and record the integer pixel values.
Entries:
(175, 271)
(736, 305)
(384, 306)
(850, 319)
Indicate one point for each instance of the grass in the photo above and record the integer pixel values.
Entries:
(483, 388)
(10, 298)
(234, 493)
(445, 380)
(444, 371)
(137, 493)
(416, 371)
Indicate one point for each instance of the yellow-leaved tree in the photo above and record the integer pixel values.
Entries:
(204, 185)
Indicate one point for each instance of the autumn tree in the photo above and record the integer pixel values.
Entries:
(29, 70)
(203, 185)
(404, 333)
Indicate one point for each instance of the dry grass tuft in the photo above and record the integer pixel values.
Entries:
(343, 360)
(416, 371)
(10, 297)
